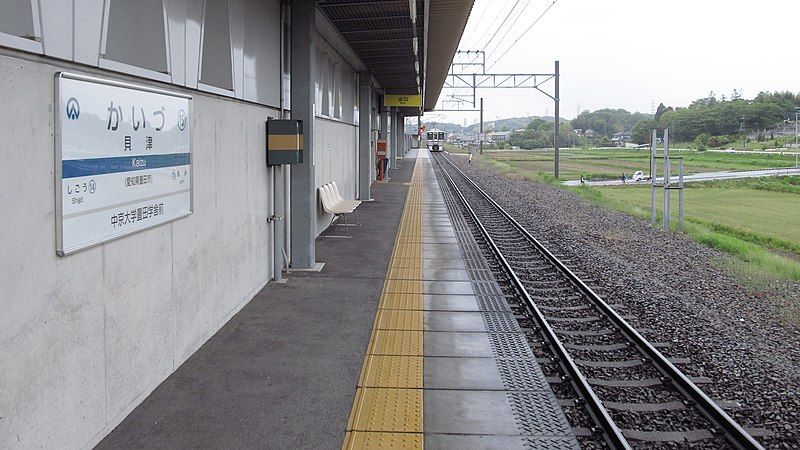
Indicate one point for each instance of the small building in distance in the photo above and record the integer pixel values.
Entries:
(621, 138)
(500, 136)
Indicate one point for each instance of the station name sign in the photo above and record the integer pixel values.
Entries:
(413, 101)
(123, 159)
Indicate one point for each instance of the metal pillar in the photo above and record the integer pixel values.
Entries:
(680, 194)
(653, 193)
(278, 223)
(395, 136)
(666, 179)
(401, 133)
(796, 138)
(304, 195)
(557, 123)
(390, 138)
(384, 112)
(365, 168)
(480, 133)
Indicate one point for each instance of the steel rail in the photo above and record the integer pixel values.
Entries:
(734, 432)
(611, 432)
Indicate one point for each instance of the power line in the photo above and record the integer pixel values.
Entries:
(497, 30)
(510, 27)
(523, 33)
(500, 13)
(494, 21)
(474, 23)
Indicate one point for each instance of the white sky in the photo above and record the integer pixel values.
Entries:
(630, 53)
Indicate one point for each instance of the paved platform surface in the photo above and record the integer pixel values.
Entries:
(447, 365)
(404, 340)
(696, 177)
(282, 372)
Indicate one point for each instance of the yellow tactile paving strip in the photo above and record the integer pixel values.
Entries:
(387, 410)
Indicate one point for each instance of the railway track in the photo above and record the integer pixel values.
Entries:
(635, 396)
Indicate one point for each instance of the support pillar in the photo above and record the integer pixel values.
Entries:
(666, 179)
(365, 167)
(480, 133)
(557, 122)
(384, 131)
(396, 140)
(304, 195)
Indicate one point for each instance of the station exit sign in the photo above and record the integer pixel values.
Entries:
(402, 100)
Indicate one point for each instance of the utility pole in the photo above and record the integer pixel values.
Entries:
(480, 133)
(744, 134)
(666, 179)
(653, 151)
(796, 136)
(558, 119)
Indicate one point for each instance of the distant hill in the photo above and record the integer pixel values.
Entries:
(444, 126)
(514, 123)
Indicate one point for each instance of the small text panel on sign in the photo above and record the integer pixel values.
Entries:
(402, 100)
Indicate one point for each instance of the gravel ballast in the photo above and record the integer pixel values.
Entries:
(677, 291)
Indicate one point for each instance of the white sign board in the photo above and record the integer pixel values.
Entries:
(123, 159)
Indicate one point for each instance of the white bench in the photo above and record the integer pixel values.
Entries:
(334, 203)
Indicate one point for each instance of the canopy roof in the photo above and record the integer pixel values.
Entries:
(408, 45)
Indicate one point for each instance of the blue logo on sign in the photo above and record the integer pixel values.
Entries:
(73, 108)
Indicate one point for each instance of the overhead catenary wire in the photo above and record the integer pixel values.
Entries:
(511, 27)
(497, 30)
(523, 34)
(491, 26)
(497, 16)
(474, 25)
(476, 22)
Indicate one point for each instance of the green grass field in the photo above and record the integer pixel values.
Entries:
(766, 217)
(601, 164)
(755, 220)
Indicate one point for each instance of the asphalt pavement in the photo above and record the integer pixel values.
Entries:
(695, 177)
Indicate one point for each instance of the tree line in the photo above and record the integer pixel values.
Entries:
(709, 121)
(726, 117)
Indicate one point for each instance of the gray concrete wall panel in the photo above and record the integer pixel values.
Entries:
(16, 17)
(176, 21)
(336, 154)
(136, 34)
(85, 338)
(237, 45)
(132, 38)
(57, 36)
(87, 31)
(194, 24)
(216, 59)
(262, 38)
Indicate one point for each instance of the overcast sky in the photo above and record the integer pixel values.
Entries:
(633, 53)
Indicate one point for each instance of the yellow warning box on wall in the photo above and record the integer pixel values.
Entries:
(402, 100)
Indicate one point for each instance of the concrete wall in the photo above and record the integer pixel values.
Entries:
(335, 159)
(85, 338)
(336, 124)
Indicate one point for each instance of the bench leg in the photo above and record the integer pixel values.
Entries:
(339, 236)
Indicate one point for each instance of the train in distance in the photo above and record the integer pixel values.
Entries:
(435, 139)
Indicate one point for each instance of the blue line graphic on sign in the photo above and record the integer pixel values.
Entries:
(73, 168)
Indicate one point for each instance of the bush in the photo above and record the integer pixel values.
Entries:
(701, 141)
(718, 141)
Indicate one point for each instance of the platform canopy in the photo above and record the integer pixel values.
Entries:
(408, 45)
